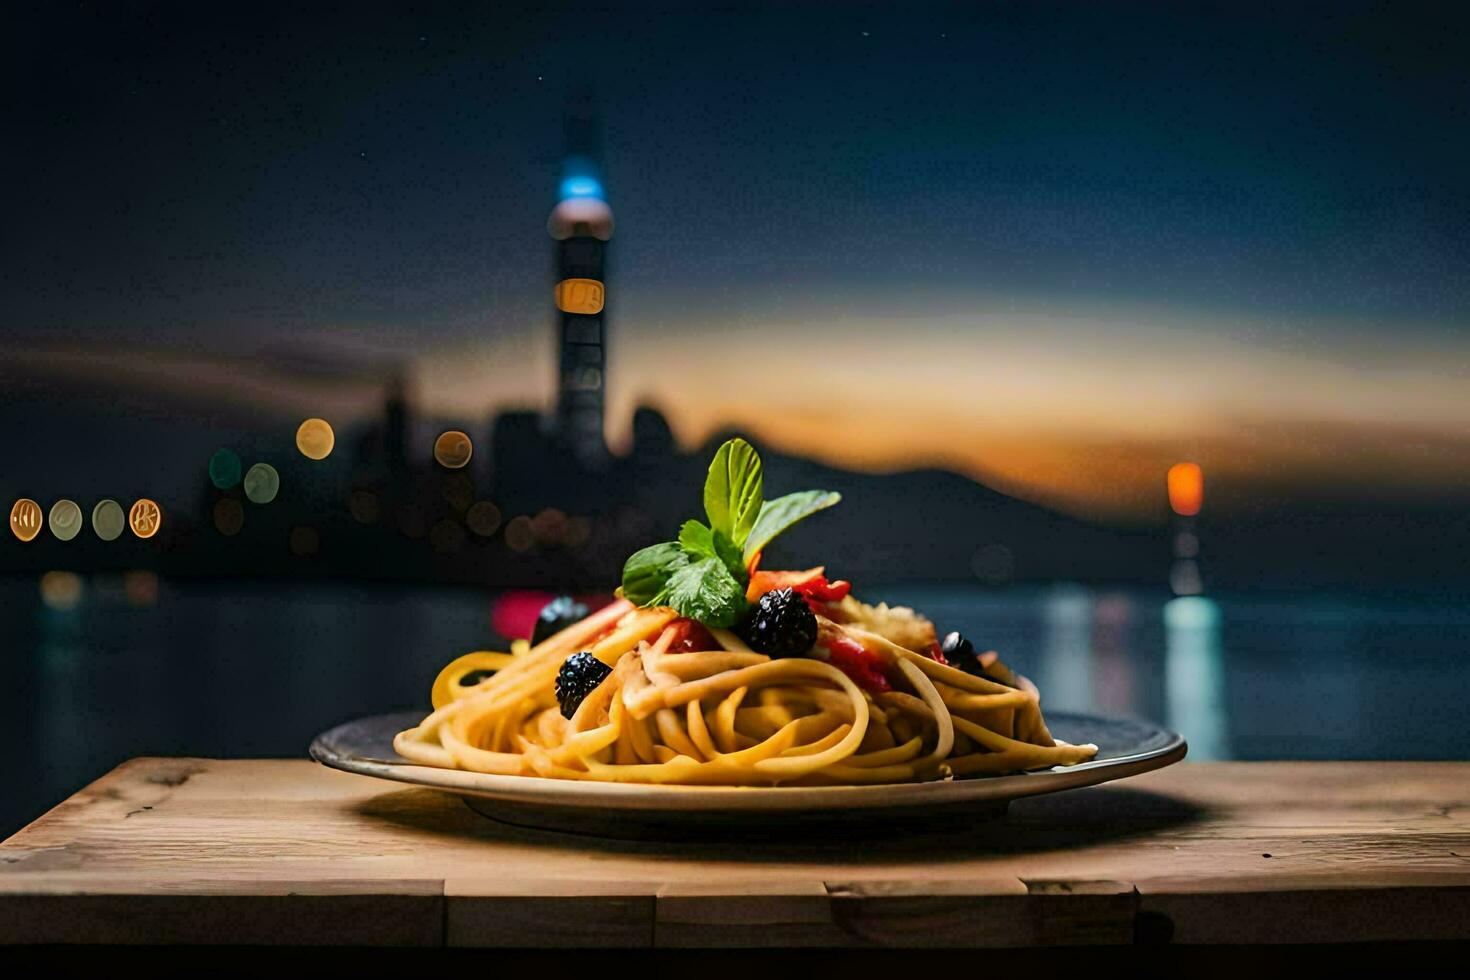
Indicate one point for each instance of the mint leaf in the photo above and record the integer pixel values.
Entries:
(706, 591)
(732, 490)
(646, 573)
(779, 514)
(697, 539)
(703, 575)
(700, 542)
(729, 553)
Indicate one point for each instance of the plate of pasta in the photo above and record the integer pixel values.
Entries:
(711, 689)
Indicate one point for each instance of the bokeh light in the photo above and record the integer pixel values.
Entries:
(305, 542)
(453, 449)
(577, 532)
(994, 563)
(446, 536)
(1186, 488)
(459, 491)
(108, 519)
(1184, 578)
(518, 534)
(65, 519)
(365, 507)
(224, 469)
(229, 516)
(62, 591)
(315, 439)
(145, 517)
(262, 483)
(548, 525)
(483, 518)
(25, 519)
(413, 523)
(141, 588)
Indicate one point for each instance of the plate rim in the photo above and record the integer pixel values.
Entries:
(669, 797)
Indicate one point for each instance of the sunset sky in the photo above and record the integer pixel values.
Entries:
(1057, 260)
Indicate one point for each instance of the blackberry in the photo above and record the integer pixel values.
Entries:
(578, 677)
(782, 625)
(960, 652)
(556, 616)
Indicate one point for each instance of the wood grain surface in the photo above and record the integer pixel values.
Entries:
(289, 852)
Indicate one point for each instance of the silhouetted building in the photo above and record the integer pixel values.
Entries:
(581, 224)
(395, 426)
(652, 438)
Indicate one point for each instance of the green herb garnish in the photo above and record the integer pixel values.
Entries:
(704, 574)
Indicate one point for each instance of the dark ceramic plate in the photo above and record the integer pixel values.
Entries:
(1126, 748)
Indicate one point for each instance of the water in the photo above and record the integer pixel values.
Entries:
(107, 668)
(1242, 677)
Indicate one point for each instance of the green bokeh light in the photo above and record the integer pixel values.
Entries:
(66, 519)
(224, 469)
(108, 520)
(262, 483)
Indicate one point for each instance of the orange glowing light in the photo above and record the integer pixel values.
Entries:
(579, 296)
(144, 518)
(1186, 488)
(315, 439)
(61, 590)
(26, 519)
(453, 449)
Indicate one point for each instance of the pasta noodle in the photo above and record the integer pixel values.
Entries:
(727, 715)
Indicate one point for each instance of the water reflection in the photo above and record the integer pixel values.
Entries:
(1241, 676)
(61, 714)
(1115, 687)
(1194, 676)
(1065, 675)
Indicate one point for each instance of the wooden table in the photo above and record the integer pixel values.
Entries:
(288, 852)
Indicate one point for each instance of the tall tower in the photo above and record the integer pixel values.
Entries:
(581, 225)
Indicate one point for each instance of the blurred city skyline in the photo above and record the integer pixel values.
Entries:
(1056, 261)
(1094, 439)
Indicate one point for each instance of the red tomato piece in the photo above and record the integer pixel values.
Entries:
(811, 583)
(862, 666)
(690, 637)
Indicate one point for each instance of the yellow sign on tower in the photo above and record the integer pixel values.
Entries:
(579, 296)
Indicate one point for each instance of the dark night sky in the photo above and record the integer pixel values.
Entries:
(1091, 238)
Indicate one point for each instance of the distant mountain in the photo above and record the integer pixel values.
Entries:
(937, 525)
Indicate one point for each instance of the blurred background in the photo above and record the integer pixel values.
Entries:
(1134, 336)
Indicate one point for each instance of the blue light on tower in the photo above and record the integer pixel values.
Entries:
(581, 185)
(579, 179)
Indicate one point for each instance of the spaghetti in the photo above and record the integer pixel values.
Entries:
(728, 715)
(708, 670)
